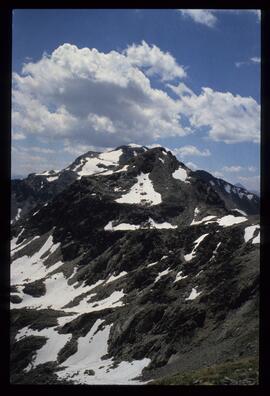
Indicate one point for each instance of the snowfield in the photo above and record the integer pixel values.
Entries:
(48, 353)
(86, 366)
(112, 157)
(90, 165)
(27, 269)
(150, 224)
(230, 220)
(57, 285)
(142, 192)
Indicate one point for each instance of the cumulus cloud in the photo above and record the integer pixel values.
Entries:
(154, 61)
(90, 97)
(204, 17)
(27, 160)
(190, 150)
(229, 118)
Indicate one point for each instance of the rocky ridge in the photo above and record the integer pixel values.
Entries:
(120, 266)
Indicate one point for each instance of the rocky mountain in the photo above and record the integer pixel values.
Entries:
(127, 266)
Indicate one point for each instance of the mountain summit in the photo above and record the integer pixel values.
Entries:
(120, 265)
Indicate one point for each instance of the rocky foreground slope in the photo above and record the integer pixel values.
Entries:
(128, 266)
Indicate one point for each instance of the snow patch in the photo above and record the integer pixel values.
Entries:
(111, 156)
(207, 218)
(240, 194)
(256, 239)
(240, 211)
(49, 351)
(18, 215)
(161, 274)
(215, 252)
(23, 244)
(142, 192)
(151, 264)
(179, 276)
(91, 349)
(134, 145)
(229, 220)
(196, 211)
(52, 178)
(194, 294)
(249, 232)
(150, 224)
(191, 255)
(57, 285)
(28, 269)
(227, 187)
(180, 174)
(112, 278)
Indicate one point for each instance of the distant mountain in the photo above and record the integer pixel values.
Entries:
(14, 177)
(240, 185)
(128, 266)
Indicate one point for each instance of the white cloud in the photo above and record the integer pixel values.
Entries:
(154, 61)
(238, 168)
(209, 17)
(229, 118)
(18, 136)
(92, 98)
(239, 64)
(232, 168)
(204, 17)
(80, 149)
(181, 89)
(89, 100)
(190, 151)
(217, 174)
(255, 59)
(25, 161)
(192, 166)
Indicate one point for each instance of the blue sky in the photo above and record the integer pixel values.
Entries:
(94, 79)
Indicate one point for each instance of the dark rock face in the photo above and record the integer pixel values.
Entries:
(173, 278)
(235, 197)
